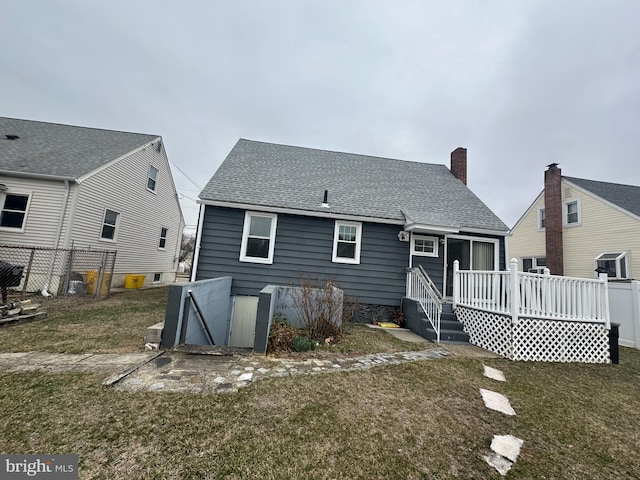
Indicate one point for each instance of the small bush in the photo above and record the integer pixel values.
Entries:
(281, 336)
(303, 344)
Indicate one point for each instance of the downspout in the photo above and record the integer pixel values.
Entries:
(45, 289)
(196, 250)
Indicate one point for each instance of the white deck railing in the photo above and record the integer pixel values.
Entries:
(521, 294)
(422, 289)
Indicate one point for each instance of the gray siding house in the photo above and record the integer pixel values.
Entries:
(65, 186)
(274, 212)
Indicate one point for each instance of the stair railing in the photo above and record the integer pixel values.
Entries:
(422, 289)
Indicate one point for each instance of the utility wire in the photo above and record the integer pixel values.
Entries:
(187, 176)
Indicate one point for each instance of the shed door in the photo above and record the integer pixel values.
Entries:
(243, 321)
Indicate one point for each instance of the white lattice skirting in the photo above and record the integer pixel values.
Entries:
(536, 339)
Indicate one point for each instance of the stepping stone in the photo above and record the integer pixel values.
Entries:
(494, 373)
(245, 377)
(501, 464)
(496, 401)
(507, 445)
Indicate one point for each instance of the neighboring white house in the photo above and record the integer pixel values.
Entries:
(65, 186)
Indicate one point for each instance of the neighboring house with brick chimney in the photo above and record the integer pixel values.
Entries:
(274, 212)
(577, 226)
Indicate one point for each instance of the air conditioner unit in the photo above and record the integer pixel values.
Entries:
(403, 236)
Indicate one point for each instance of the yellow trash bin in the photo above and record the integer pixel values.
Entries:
(134, 281)
(92, 279)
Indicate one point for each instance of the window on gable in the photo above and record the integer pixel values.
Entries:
(424, 246)
(534, 264)
(346, 242)
(613, 264)
(163, 237)
(152, 180)
(109, 225)
(14, 211)
(258, 237)
(541, 219)
(571, 212)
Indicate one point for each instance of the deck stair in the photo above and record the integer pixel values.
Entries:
(451, 330)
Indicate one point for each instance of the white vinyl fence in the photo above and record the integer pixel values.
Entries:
(624, 303)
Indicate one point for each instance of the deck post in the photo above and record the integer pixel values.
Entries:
(607, 321)
(515, 290)
(456, 284)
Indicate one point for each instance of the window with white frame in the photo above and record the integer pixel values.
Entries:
(424, 246)
(534, 264)
(109, 225)
(571, 212)
(258, 237)
(346, 242)
(613, 264)
(14, 210)
(163, 237)
(541, 219)
(157, 277)
(152, 179)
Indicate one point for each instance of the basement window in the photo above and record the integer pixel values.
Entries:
(613, 264)
(157, 277)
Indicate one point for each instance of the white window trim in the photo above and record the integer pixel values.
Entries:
(336, 231)
(115, 230)
(565, 213)
(540, 227)
(435, 241)
(623, 256)
(29, 196)
(155, 191)
(154, 277)
(166, 238)
(245, 237)
(534, 263)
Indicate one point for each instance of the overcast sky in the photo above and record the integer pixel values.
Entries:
(520, 84)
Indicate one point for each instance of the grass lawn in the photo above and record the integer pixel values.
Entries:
(411, 421)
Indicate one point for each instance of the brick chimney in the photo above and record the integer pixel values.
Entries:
(553, 219)
(459, 164)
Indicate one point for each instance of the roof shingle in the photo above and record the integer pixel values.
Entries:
(271, 175)
(61, 150)
(624, 196)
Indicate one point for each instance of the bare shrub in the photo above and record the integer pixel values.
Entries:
(320, 308)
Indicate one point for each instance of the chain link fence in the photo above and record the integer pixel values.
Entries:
(56, 276)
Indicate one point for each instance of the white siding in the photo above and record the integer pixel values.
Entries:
(122, 187)
(43, 214)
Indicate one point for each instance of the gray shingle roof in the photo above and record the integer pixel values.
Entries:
(624, 196)
(270, 175)
(61, 150)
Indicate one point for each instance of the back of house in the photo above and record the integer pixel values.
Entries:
(274, 213)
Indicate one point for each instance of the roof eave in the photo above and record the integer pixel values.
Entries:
(39, 176)
(294, 211)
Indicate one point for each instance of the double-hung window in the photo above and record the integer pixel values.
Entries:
(541, 219)
(571, 213)
(152, 179)
(613, 264)
(346, 242)
(14, 211)
(109, 225)
(258, 237)
(163, 237)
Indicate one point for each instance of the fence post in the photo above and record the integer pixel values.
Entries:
(605, 285)
(456, 284)
(515, 290)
